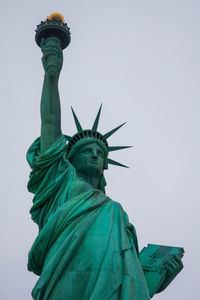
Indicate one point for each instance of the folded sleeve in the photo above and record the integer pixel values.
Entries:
(49, 178)
(41, 163)
(37, 160)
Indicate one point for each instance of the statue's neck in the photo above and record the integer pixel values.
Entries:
(93, 181)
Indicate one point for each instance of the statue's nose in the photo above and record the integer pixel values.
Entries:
(94, 153)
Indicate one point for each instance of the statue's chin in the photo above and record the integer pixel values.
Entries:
(91, 172)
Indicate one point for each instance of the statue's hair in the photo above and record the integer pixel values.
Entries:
(86, 141)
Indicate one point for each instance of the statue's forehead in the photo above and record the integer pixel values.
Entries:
(92, 145)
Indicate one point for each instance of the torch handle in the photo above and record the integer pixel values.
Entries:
(52, 56)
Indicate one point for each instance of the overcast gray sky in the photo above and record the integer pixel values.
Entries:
(141, 60)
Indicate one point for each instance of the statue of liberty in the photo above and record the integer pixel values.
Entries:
(86, 247)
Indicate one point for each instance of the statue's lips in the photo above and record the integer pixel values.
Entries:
(94, 162)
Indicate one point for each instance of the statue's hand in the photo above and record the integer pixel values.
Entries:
(52, 56)
(173, 265)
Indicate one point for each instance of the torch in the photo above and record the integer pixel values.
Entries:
(53, 26)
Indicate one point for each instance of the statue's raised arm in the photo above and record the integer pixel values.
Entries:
(52, 36)
(50, 103)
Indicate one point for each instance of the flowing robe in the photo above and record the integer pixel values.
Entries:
(86, 248)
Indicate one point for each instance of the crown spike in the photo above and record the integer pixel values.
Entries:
(107, 135)
(115, 148)
(96, 122)
(78, 125)
(113, 162)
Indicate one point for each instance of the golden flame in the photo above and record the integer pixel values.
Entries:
(56, 15)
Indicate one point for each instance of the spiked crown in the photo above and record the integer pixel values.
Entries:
(83, 137)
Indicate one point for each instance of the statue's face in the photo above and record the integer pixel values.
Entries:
(89, 160)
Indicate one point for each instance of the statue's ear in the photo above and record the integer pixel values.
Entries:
(105, 166)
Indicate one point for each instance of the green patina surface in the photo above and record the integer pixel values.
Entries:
(86, 248)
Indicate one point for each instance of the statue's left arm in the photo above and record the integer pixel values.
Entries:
(173, 265)
(161, 264)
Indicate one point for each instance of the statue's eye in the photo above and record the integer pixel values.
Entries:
(100, 153)
(86, 151)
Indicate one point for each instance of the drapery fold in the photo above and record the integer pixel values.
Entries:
(86, 248)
